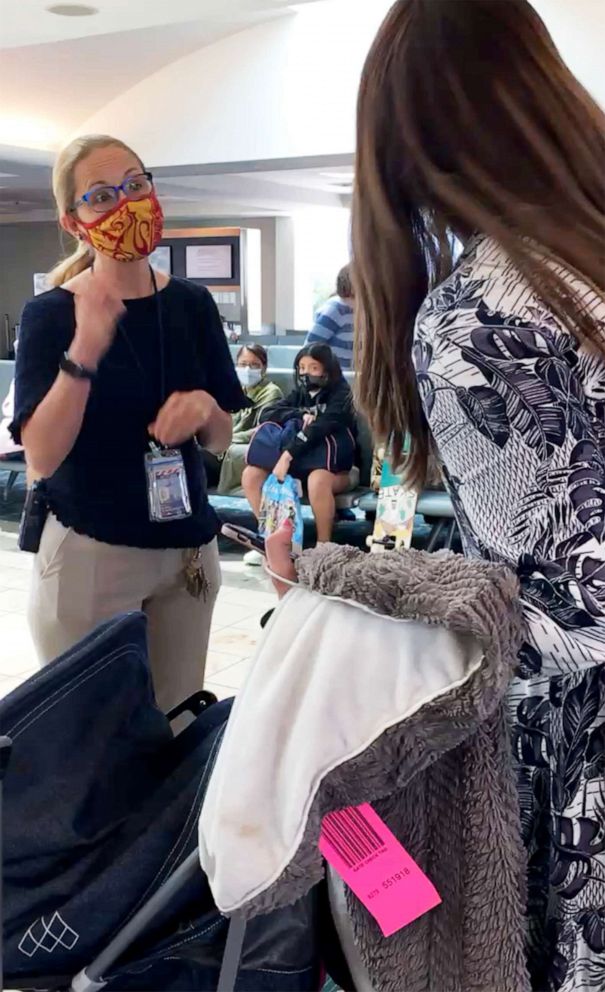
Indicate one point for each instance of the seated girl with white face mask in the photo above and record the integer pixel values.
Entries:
(251, 368)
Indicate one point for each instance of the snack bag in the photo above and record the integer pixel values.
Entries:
(281, 501)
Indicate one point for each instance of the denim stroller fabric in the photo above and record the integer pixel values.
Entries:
(281, 953)
(101, 806)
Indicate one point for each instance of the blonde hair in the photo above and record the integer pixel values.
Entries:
(65, 194)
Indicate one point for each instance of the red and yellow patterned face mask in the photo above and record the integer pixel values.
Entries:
(129, 232)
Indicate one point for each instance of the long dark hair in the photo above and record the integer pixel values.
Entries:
(468, 120)
(323, 354)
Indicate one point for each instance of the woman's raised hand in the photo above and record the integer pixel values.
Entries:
(98, 310)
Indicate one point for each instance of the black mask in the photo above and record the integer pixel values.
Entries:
(314, 381)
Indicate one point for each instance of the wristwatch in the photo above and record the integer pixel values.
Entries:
(75, 370)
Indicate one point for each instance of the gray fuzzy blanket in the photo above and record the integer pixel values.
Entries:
(443, 780)
(440, 778)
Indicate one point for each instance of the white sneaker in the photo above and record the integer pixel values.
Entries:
(253, 558)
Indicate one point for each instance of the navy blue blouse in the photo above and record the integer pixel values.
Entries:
(100, 489)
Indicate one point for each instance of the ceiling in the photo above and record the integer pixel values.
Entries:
(25, 190)
(29, 22)
(56, 71)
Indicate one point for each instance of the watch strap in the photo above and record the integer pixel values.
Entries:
(74, 369)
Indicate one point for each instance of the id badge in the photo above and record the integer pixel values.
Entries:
(167, 489)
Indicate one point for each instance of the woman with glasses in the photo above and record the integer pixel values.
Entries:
(123, 374)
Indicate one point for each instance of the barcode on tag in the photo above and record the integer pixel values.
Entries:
(352, 836)
(381, 873)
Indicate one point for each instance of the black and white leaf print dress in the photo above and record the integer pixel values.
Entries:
(517, 410)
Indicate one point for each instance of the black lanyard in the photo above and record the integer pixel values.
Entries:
(161, 337)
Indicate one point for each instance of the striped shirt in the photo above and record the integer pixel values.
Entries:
(334, 326)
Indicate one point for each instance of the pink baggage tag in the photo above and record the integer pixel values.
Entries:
(372, 862)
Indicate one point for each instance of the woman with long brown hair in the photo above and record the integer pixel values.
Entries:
(470, 126)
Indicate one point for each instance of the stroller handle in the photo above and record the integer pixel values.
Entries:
(6, 746)
(91, 978)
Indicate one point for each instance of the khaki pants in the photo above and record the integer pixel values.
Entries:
(78, 583)
(232, 469)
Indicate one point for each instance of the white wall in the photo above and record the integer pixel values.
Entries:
(284, 274)
(286, 89)
(283, 89)
(578, 30)
(321, 248)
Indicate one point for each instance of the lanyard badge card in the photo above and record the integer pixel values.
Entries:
(167, 489)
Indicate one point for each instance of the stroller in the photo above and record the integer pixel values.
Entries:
(101, 804)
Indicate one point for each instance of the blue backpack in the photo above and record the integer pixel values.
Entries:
(334, 453)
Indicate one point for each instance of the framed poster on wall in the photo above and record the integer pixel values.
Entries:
(209, 261)
(161, 259)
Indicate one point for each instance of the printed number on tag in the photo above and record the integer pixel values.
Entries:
(369, 858)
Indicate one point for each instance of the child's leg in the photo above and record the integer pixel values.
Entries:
(322, 487)
(253, 480)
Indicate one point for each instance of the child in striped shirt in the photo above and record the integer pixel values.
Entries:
(334, 321)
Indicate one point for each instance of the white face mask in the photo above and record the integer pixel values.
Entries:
(248, 377)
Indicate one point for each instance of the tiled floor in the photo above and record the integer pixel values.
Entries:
(244, 597)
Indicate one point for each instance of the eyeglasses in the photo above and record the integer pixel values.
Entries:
(103, 198)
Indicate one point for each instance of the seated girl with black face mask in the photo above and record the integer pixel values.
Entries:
(323, 402)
